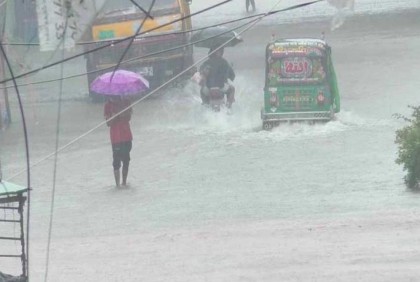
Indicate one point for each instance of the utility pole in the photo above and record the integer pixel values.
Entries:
(3, 91)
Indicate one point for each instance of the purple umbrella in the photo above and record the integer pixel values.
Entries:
(122, 83)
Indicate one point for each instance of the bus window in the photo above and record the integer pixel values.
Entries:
(124, 5)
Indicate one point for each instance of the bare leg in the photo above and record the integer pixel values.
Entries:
(253, 5)
(247, 5)
(117, 177)
(125, 173)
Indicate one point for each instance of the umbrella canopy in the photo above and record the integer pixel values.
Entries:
(122, 83)
(216, 36)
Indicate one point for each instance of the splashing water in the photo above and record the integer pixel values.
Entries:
(181, 110)
(344, 7)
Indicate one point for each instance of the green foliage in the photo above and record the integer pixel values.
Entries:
(408, 140)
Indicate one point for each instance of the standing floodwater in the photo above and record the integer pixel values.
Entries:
(212, 197)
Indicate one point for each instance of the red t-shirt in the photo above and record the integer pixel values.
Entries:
(119, 126)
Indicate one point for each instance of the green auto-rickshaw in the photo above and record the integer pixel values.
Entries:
(300, 82)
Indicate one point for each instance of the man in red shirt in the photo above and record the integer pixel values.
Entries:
(117, 112)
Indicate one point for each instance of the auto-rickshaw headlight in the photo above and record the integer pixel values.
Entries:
(320, 98)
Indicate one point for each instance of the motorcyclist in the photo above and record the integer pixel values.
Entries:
(215, 72)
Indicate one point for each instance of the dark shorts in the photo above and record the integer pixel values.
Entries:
(121, 153)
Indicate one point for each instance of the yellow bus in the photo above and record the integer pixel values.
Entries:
(120, 19)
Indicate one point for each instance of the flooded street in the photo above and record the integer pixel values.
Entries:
(213, 197)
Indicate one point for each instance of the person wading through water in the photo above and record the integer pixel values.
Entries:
(120, 133)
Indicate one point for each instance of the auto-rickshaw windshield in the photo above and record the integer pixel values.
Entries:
(112, 6)
(295, 69)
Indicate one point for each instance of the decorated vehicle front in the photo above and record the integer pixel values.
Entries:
(300, 82)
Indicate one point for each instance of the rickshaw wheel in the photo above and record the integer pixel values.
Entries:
(267, 125)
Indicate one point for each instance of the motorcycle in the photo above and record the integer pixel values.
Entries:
(215, 97)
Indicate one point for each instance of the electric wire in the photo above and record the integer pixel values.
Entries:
(131, 60)
(270, 13)
(148, 15)
(104, 122)
(1, 113)
(114, 43)
(165, 34)
(25, 247)
(170, 49)
(57, 140)
(27, 53)
(178, 32)
(13, 78)
(253, 22)
(132, 39)
(28, 167)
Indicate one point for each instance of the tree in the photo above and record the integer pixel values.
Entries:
(408, 140)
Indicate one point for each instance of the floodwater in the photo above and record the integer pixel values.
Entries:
(212, 197)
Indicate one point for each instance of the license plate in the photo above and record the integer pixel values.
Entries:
(296, 99)
(146, 71)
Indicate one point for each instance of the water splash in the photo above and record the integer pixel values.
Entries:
(181, 109)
